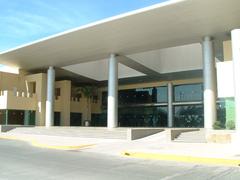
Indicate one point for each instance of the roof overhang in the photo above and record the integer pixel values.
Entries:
(169, 24)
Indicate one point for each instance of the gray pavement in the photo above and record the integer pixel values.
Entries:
(21, 161)
(152, 144)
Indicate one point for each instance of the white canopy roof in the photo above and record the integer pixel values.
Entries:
(169, 24)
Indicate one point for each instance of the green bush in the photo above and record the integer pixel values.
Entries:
(218, 125)
(230, 125)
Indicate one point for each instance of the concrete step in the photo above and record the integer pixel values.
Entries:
(177, 141)
(192, 137)
(74, 132)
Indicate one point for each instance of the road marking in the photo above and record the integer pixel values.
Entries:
(36, 143)
(182, 158)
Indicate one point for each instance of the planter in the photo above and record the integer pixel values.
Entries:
(87, 123)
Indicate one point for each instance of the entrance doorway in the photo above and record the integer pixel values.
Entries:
(75, 119)
(57, 119)
(16, 117)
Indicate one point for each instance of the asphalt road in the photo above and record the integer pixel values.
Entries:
(20, 161)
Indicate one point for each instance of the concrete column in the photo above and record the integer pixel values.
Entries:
(236, 71)
(112, 109)
(210, 83)
(50, 97)
(170, 105)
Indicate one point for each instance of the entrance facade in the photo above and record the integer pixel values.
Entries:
(148, 107)
(158, 76)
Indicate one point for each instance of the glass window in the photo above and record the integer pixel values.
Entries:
(57, 119)
(143, 116)
(2, 116)
(104, 99)
(188, 92)
(140, 96)
(57, 92)
(221, 113)
(16, 117)
(99, 119)
(135, 96)
(188, 116)
(225, 113)
(29, 117)
(162, 94)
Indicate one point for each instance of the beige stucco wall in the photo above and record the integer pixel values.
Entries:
(41, 85)
(62, 104)
(12, 82)
(80, 107)
(67, 102)
(57, 105)
(14, 93)
(96, 106)
(227, 50)
(22, 83)
(21, 102)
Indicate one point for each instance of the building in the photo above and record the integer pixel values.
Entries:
(175, 64)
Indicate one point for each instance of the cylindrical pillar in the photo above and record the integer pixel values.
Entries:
(210, 83)
(236, 71)
(50, 97)
(112, 109)
(170, 105)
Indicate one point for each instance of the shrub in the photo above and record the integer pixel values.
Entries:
(218, 125)
(230, 125)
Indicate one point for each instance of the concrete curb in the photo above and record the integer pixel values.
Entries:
(182, 158)
(35, 143)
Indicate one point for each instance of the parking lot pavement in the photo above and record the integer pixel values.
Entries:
(21, 161)
(152, 147)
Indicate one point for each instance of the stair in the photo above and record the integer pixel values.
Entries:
(84, 132)
(192, 137)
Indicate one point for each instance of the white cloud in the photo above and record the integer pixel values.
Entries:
(20, 26)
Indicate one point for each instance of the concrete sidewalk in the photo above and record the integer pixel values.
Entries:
(55, 142)
(152, 147)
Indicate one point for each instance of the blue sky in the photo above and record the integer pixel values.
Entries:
(23, 21)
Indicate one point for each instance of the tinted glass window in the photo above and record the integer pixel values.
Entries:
(225, 113)
(140, 96)
(104, 99)
(188, 92)
(2, 116)
(162, 94)
(143, 117)
(188, 116)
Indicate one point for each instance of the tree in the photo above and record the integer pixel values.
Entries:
(87, 92)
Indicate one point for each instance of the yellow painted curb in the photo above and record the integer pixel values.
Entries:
(35, 143)
(182, 158)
